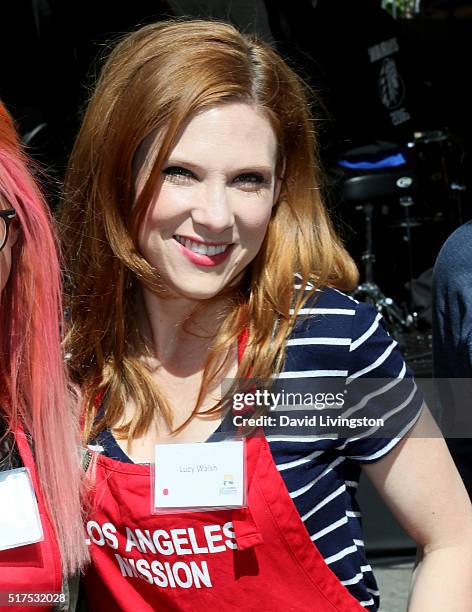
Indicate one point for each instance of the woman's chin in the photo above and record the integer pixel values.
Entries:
(197, 291)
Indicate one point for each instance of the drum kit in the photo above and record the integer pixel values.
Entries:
(420, 191)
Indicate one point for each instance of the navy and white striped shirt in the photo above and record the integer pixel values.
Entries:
(336, 336)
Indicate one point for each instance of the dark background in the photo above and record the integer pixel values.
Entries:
(50, 48)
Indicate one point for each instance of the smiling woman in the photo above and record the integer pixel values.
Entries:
(199, 250)
(226, 156)
(214, 203)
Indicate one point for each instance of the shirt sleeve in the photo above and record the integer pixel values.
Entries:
(452, 306)
(380, 390)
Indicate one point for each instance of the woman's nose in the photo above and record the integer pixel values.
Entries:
(213, 209)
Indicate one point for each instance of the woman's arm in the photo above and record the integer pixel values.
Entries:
(420, 484)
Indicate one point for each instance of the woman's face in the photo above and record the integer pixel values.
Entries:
(210, 214)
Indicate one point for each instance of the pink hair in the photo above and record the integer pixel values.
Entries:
(32, 380)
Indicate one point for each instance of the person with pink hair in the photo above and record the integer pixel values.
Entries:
(41, 534)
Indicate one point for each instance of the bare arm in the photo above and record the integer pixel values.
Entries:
(420, 484)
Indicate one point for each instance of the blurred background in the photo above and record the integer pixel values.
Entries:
(395, 134)
(392, 114)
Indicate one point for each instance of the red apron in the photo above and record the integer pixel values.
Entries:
(34, 568)
(260, 558)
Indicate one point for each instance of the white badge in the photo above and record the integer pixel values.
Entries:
(20, 522)
(199, 476)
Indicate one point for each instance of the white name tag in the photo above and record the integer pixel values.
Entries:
(20, 523)
(191, 477)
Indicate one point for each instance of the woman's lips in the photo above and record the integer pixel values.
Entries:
(212, 256)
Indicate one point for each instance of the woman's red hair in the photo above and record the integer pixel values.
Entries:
(155, 80)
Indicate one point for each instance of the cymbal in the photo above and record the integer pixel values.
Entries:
(414, 222)
(430, 136)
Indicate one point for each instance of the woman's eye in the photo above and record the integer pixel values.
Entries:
(177, 174)
(251, 181)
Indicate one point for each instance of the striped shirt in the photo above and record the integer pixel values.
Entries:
(339, 339)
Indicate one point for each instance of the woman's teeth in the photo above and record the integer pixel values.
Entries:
(202, 249)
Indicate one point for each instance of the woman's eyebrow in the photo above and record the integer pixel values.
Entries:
(257, 168)
(177, 161)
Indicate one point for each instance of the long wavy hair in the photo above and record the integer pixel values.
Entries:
(33, 388)
(153, 81)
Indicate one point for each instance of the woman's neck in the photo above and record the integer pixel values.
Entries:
(177, 330)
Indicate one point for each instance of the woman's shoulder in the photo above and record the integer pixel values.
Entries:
(331, 313)
(340, 337)
(335, 335)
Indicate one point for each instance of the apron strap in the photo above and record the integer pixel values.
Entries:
(246, 532)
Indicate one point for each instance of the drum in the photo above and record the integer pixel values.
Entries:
(437, 157)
